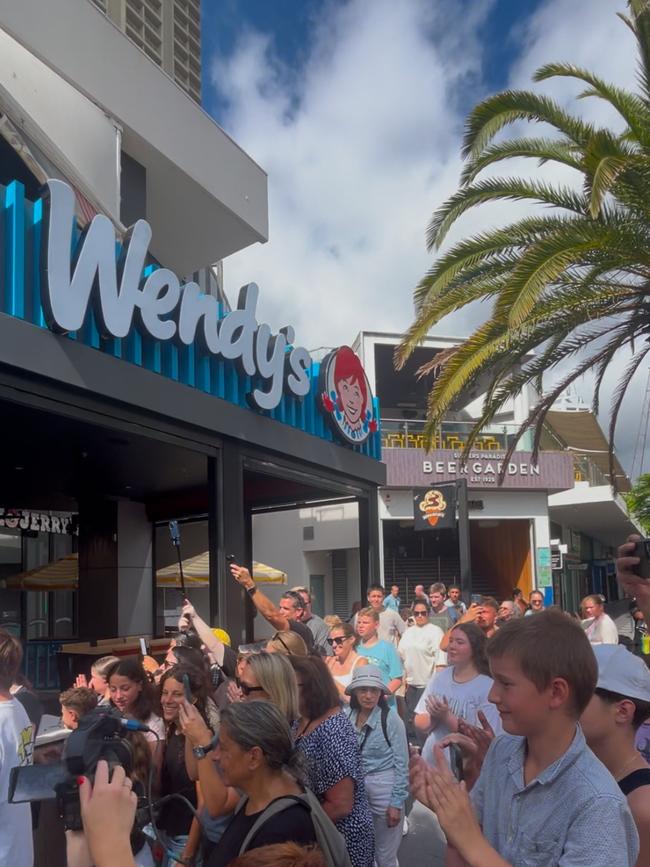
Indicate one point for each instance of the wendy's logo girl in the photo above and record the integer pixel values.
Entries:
(346, 396)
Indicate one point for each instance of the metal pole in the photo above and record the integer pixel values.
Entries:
(464, 540)
(175, 535)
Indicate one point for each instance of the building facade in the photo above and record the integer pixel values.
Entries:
(169, 33)
(514, 527)
(132, 393)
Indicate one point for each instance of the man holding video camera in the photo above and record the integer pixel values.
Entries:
(16, 749)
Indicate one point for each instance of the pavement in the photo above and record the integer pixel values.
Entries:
(425, 843)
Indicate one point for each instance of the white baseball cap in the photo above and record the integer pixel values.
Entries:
(622, 672)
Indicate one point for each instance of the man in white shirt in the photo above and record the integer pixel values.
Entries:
(599, 627)
(419, 650)
(16, 749)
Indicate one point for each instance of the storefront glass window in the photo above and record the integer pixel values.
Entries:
(196, 565)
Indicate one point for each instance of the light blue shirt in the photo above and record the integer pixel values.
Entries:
(385, 657)
(455, 611)
(377, 755)
(392, 602)
(572, 815)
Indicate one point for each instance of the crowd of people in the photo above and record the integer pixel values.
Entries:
(516, 724)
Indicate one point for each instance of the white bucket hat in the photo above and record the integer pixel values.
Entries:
(622, 672)
(369, 676)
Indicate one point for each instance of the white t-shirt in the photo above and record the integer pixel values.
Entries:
(419, 651)
(464, 699)
(16, 750)
(601, 630)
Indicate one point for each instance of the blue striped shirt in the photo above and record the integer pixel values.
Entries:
(572, 815)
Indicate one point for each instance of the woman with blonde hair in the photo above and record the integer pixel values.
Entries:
(289, 643)
(343, 641)
(270, 677)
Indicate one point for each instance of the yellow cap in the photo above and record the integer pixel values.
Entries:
(222, 635)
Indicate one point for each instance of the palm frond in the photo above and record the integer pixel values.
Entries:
(495, 112)
(501, 189)
(630, 107)
(542, 149)
(617, 400)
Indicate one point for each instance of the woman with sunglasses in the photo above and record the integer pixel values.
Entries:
(289, 643)
(345, 660)
(270, 677)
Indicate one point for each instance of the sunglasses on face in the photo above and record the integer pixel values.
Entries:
(334, 642)
(420, 613)
(246, 689)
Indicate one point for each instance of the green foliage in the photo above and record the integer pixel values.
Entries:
(638, 501)
(573, 280)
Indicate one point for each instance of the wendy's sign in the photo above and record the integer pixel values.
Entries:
(125, 295)
(346, 397)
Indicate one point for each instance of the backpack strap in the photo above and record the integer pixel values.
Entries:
(384, 727)
(275, 807)
(328, 838)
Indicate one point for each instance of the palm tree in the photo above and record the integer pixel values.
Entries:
(571, 282)
(638, 501)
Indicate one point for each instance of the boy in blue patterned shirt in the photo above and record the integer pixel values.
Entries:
(542, 797)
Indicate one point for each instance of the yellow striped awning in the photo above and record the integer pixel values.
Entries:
(63, 574)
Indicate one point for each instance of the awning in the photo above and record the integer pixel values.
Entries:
(581, 434)
(63, 574)
(196, 571)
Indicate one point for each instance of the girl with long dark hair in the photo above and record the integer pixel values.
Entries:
(133, 695)
(176, 820)
(459, 691)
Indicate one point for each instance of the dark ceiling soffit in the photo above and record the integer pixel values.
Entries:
(55, 399)
(322, 478)
(40, 353)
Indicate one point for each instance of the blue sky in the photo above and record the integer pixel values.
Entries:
(290, 24)
(355, 109)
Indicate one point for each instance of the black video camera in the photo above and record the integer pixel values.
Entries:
(99, 736)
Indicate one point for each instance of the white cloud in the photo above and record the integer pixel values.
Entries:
(364, 143)
(359, 151)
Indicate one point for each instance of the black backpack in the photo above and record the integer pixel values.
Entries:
(329, 839)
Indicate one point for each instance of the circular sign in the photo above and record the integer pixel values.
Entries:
(346, 397)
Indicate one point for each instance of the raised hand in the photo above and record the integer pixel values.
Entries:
(450, 802)
(482, 736)
(437, 707)
(633, 586)
(193, 725)
(107, 811)
(241, 575)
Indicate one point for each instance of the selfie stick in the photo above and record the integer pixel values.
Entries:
(175, 534)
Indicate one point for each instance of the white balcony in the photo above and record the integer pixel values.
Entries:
(206, 198)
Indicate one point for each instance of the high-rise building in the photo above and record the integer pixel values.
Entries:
(169, 33)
